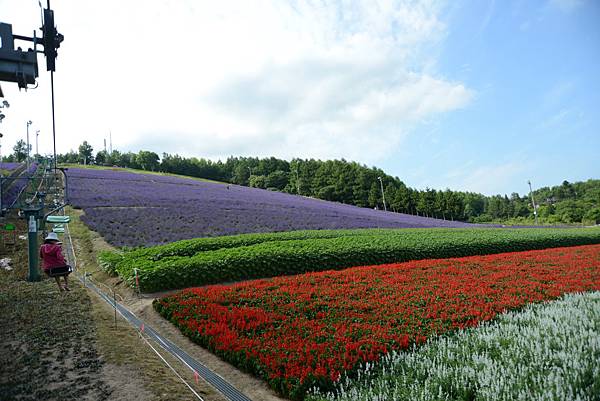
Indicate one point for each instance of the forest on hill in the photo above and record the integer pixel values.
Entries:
(356, 184)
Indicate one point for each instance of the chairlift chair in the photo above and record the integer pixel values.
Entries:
(60, 271)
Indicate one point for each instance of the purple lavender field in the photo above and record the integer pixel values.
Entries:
(9, 166)
(130, 209)
(13, 187)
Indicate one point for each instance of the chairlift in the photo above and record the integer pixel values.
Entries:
(60, 271)
(58, 219)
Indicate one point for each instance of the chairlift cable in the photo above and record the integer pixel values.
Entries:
(53, 115)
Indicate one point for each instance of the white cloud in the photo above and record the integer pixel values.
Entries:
(487, 179)
(566, 5)
(203, 78)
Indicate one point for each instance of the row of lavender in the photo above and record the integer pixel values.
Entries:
(130, 209)
(9, 166)
(12, 187)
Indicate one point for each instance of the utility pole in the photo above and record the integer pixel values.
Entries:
(1, 177)
(37, 134)
(28, 124)
(382, 193)
(533, 203)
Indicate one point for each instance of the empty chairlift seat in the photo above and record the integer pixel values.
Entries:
(58, 228)
(59, 223)
(58, 219)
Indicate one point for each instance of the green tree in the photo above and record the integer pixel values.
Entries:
(258, 181)
(9, 159)
(440, 205)
(101, 157)
(402, 200)
(390, 195)
(277, 179)
(148, 161)
(20, 150)
(86, 153)
(327, 193)
(113, 158)
(592, 216)
(241, 173)
(569, 211)
(374, 195)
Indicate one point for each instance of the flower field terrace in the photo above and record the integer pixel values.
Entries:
(307, 330)
(10, 166)
(130, 209)
(547, 351)
(223, 259)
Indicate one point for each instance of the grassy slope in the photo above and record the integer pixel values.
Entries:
(65, 345)
(131, 170)
(48, 348)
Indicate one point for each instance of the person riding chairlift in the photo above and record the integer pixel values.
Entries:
(53, 261)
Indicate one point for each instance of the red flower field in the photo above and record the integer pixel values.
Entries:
(297, 332)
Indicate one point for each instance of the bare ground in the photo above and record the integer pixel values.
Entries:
(65, 346)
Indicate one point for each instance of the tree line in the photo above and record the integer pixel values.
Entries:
(357, 184)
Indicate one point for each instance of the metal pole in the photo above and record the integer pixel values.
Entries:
(28, 124)
(66, 200)
(382, 193)
(1, 176)
(533, 202)
(37, 134)
(137, 282)
(34, 273)
(115, 305)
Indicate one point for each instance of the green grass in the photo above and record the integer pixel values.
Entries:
(225, 259)
(132, 170)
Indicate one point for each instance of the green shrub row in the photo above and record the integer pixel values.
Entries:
(294, 256)
(186, 248)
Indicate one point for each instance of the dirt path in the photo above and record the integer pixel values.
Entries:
(65, 346)
(87, 243)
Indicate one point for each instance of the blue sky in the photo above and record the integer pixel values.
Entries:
(470, 95)
(535, 115)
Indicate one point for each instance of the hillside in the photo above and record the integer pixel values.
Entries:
(131, 209)
(355, 184)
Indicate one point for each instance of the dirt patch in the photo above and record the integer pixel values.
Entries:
(64, 345)
(147, 378)
(48, 347)
(252, 387)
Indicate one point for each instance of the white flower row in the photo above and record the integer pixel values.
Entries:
(548, 351)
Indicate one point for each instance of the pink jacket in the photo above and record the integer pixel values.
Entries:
(52, 256)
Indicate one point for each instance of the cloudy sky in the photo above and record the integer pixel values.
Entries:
(469, 94)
